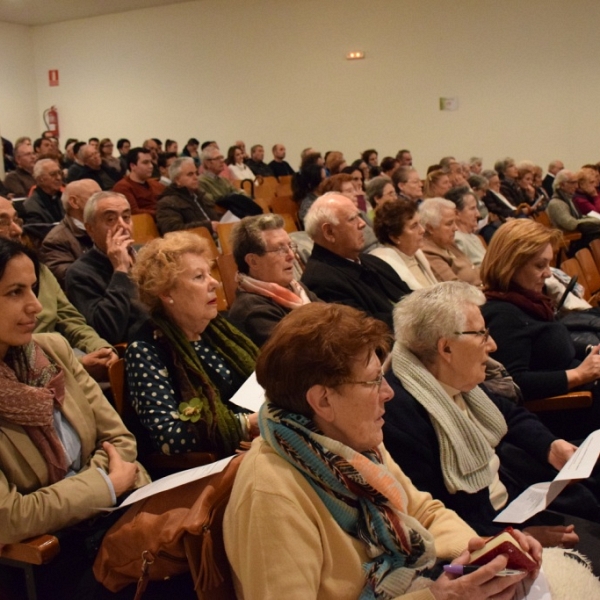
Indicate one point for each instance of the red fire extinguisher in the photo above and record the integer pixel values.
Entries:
(51, 120)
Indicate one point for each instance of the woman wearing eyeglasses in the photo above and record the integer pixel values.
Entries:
(185, 364)
(447, 434)
(533, 345)
(267, 290)
(318, 508)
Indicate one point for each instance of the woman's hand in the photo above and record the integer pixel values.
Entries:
(587, 371)
(559, 535)
(122, 474)
(253, 422)
(560, 452)
(480, 585)
(97, 363)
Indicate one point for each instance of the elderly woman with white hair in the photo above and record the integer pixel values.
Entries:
(448, 434)
(447, 261)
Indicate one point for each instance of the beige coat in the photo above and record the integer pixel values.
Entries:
(451, 264)
(28, 505)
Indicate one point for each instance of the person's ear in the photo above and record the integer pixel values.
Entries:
(165, 298)
(251, 259)
(444, 348)
(328, 233)
(318, 399)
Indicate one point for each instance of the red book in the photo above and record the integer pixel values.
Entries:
(504, 543)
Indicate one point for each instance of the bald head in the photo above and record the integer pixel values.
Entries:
(334, 222)
(75, 196)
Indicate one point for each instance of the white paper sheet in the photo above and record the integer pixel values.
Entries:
(173, 481)
(251, 395)
(229, 217)
(538, 496)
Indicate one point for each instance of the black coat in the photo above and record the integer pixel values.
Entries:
(371, 285)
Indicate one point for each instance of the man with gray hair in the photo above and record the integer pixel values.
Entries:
(98, 282)
(564, 214)
(20, 181)
(69, 240)
(214, 186)
(44, 205)
(182, 205)
(90, 167)
(553, 168)
(338, 271)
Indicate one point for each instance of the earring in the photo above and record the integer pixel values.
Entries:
(171, 301)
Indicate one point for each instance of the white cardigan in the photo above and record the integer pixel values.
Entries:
(393, 258)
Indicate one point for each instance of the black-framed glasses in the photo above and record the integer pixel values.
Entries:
(484, 333)
(373, 383)
(284, 249)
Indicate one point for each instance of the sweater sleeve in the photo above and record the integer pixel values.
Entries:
(511, 333)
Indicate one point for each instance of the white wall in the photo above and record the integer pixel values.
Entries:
(274, 71)
(18, 92)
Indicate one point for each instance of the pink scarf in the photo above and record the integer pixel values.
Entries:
(29, 388)
(283, 296)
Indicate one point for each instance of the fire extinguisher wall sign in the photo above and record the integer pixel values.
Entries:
(53, 77)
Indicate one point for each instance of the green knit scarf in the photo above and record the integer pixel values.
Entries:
(218, 427)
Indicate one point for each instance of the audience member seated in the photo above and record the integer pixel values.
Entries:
(123, 147)
(237, 167)
(467, 220)
(388, 166)
(371, 157)
(182, 205)
(44, 148)
(165, 160)
(214, 186)
(508, 173)
(586, 197)
(343, 184)
(398, 228)
(553, 168)
(184, 365)
(279, 167)
(267, 291)
(141, 191)
(475, 165)
(69, 240)
(404, 157)
(257, 163)
(152, 147)
(447, 434)
(379, 190)
(534, 197)
(318, 493)
(112, 165)
(447, 261)
(408, 183)
(338, 271)
(89, 166)
(20, 181)
(494, 200)
(535, 348)
(64, 451)
(191, 150)
(98, 282)
(57, 313)
(304, 187)
(44, 205)
(564, 214)
(437, 184)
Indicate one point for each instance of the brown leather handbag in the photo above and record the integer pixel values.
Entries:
(171, 533)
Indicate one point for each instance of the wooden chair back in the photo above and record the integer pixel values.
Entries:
(266, 189)
(285, 205)
(144, 228)
(594, 247)
(572, 267)
(588, 265)
(228, 270)
(224, 233)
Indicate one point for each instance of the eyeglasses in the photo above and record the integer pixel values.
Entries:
(374, 383)
(284, 249)
(484, 333)
(6, 222)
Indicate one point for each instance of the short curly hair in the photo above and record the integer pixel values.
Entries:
(158, 265)
(317, 344)
(390, 219)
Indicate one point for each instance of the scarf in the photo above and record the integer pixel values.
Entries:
(466, 446)
(30, 387)
(363, 497)
(218, 426)
(290, 299)
(533, 303)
